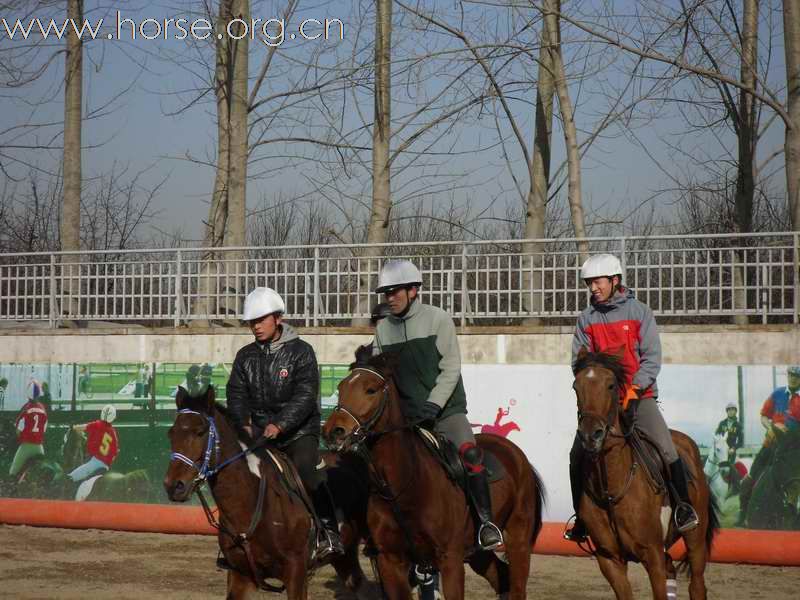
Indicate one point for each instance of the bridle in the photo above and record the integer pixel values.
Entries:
(205, 472)
(204, 469)
(363, 429)
(357, 441)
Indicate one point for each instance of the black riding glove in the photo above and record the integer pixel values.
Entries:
(429, 411)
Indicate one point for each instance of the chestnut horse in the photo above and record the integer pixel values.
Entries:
(625, 514)
(265, 530)
(416, 514)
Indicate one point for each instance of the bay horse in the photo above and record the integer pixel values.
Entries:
(625, 514)
(265, 530)
(415, 513)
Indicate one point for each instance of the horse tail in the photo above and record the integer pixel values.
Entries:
(713, 522)
(711, 531)
(539, 501)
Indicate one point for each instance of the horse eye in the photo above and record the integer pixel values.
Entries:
(201, 433)
(370, 391)
(611, 387)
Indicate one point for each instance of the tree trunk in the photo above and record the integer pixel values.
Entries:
(552, 9)
(217, 222)
(378, 228)
(791, 43)
(239, 145)
(71, 208)
(746, 130)
(539, 180)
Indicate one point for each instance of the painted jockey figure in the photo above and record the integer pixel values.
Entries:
(102, 445)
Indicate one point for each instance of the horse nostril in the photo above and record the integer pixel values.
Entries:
(337, 433)
(597, 435)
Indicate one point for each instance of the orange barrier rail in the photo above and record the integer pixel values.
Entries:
(781, 548)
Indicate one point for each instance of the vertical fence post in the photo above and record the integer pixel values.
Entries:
(178, 288)
(623, 259)
(463, 284)
(316, 297)
(53, 317)
(796, 276)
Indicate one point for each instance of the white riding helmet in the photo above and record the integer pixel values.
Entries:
(108, 414)
(732, 405)
(601, 265)
(262, 301)
(793, 370)
(398, 273)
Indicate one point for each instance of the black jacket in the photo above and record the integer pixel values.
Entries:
(277, 383)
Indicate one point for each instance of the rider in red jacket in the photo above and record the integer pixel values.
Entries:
(616, 319)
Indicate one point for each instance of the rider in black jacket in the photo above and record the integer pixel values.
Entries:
(273, 391)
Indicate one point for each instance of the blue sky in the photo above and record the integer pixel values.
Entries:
(145, 130)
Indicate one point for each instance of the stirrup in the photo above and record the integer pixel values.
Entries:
(328, 543)
(688, 520)
(489, 526)
(580, 536)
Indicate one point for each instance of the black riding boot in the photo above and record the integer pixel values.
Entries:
(489, 534)
(686, 517)
(578, 531)
(328, 541)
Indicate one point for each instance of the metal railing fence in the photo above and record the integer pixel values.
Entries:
(688, 278)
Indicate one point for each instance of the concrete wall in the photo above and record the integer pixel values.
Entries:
(687, 345)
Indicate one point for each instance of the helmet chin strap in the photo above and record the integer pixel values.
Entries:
(408, 306)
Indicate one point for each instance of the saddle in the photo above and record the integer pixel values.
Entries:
(446, 454)
(647, 454)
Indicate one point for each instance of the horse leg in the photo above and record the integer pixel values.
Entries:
(616, 573)
(239, 586)
(657, 571)
(672, 576)
(451, 567)
(698, 556)
(494, 570)
(393, 570)
(295, 578)
(349, 570)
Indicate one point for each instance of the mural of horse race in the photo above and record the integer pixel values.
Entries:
(98, 431)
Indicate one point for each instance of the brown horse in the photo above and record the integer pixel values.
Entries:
(415, 512)
(265, 530)
(622, 509)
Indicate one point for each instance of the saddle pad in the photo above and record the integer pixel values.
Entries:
(446, 453)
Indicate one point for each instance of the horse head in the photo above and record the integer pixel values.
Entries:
(194, 441)
(719, 450)
(365, 404)
(786, 468)
(73, 450)
(599, 377)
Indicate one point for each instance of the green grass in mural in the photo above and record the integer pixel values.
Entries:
(115, 382)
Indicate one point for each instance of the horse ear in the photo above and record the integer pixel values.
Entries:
(180, 397)
(211, 397)
(582, 352)
(363, 354)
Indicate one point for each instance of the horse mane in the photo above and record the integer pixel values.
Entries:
(200, 405)
(384, 363)
(602, 360)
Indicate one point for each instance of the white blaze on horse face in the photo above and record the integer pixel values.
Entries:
(252, 462)
(590, 374)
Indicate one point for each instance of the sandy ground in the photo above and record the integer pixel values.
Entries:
(41, 563)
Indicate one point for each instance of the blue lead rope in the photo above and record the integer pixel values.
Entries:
(204, 471)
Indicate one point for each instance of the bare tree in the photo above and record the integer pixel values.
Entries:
(791, 43)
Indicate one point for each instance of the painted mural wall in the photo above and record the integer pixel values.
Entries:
(720, 407)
